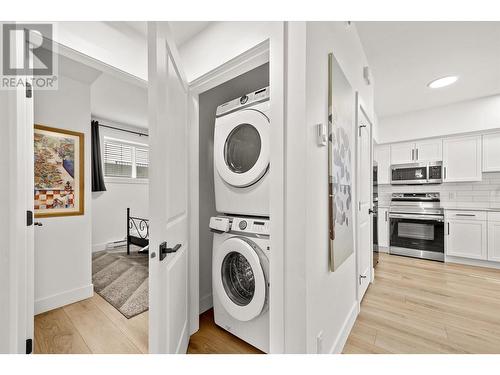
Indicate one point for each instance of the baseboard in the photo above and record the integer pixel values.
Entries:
(206, 303)
(341, 339)
(62, 299)
(99, 247)
(382, 249)
(472, 262)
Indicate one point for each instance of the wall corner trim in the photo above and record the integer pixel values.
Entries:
(58, 300)
(341, 339)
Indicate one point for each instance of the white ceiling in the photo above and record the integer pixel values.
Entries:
(182, 30)
(405, 56)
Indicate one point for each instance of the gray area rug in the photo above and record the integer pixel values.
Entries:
(122, 279)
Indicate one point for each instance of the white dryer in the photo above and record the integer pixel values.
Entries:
(240, 277)
(241, 155)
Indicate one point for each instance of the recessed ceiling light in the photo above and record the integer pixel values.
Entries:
(442, 82)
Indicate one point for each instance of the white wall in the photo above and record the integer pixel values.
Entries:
(109, 208)
(219, 43)
(118, 46)
(120, 101)
(331, 297)
(63, 244)
(467, 116)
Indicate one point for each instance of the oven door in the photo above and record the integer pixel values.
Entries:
(417, 235)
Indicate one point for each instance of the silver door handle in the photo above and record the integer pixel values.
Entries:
(412, 154)
(445, 173)
(448, 228)
(386, 212)
(473, 215)
(416, 152)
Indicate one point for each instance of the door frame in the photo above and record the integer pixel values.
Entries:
(271, 50)
(361, 108)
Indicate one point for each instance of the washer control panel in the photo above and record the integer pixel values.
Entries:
(250, 225)
(243, 101)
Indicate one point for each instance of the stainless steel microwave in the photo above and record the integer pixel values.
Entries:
(417, 173)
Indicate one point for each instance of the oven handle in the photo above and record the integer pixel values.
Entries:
(417, 217)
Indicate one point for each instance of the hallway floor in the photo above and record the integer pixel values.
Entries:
(94, 326)
(420, 306)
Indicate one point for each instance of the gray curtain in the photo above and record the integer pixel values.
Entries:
(97, 174)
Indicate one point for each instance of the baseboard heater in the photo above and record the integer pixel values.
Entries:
(115, 244)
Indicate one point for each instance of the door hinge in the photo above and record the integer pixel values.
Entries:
(361, 277)
(29, 346)
(29, 90)
(29, 218)
(359, 130)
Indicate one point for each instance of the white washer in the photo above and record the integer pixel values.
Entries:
(240, 277)
(241, 155)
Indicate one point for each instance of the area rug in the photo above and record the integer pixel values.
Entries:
(122, 280)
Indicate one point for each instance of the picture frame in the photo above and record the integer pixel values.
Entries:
(59, 178)
(341, 104)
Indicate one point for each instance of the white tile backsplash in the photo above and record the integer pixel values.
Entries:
(478, 194)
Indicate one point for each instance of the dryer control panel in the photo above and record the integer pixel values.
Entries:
(244, 101)
(250, 225)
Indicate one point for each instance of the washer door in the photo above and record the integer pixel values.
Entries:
(241, 149)
(239, 279)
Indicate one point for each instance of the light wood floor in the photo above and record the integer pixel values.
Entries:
(419, 306)
(94, 326)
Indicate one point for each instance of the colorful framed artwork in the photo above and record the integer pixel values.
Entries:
(341, 104)
(59, 172)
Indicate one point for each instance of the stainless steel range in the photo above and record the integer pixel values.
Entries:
(417, 225)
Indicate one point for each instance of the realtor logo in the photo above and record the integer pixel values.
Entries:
(28, 51)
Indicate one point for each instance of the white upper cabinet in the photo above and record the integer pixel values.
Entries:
(402, 153)
(421, 151)
(462, 159)
(382, 155)
(429, 150)
(491, 152)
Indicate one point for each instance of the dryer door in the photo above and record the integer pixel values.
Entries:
(241, 147)
(239, 279)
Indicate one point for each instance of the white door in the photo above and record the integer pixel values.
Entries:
(494, 241)
(364, 191)
(16, 146)
(462, 159)
(466, 239)
(168, 187)
(429, 150)
(491, 152)
(402, 153)
(383, 227)
(382, 155)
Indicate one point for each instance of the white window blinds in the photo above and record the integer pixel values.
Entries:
(125, 159)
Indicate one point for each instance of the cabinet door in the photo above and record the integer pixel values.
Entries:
(491, 152)
(383, 227)
(402, 153)
(494, 241)
(462, 159)
(382, 156)
(466, 239)
(429, 150)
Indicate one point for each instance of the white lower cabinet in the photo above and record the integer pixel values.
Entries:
(494, 236)
(466, 235)
(383, 227)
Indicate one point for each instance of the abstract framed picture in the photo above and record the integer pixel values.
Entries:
(59, 172)
(341, 104)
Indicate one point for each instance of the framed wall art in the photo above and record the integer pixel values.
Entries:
(59, 172)
(341, 104)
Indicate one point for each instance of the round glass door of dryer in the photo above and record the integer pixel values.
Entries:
(239, 279)
(241, 147)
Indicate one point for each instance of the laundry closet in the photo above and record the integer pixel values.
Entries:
(234, 205)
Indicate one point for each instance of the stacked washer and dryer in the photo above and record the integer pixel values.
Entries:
(240, 260)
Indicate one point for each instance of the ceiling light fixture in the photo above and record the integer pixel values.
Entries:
(442, 82)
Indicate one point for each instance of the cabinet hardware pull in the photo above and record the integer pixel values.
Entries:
(412, 154)
(386, 212)
(465, 215)
(448, 228)
(416, 152)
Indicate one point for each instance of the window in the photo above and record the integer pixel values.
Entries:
(125, 159)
